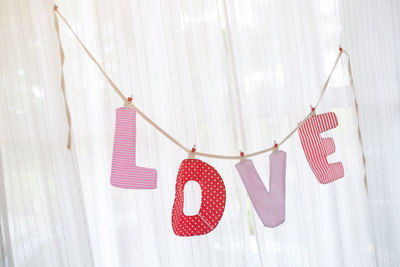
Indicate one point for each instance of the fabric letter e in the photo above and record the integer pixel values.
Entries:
(124, 172)
(317, 148)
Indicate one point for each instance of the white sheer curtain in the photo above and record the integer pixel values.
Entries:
(224, 75)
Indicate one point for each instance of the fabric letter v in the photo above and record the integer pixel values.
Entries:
(270, 206)
(317, 148)
(124, 172)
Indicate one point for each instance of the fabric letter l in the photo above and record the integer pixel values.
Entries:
(124, 172)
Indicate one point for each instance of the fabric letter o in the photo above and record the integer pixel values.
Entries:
(213, 197)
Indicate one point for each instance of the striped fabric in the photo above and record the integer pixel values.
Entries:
(317, 148)
(124, 172)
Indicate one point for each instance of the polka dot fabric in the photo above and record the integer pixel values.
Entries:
(213, 197)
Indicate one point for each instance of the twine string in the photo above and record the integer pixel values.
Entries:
(62, 80)
(129, 104)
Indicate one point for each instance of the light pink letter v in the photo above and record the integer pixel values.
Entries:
(270, 206)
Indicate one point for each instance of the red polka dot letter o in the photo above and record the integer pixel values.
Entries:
(213, 197)
(317, 148)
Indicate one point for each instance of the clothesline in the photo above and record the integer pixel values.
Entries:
(192, 151)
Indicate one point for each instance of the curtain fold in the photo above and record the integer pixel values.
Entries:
(224, 75)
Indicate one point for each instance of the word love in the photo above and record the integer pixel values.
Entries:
(270, 206)
(213, 198)
(124, 172)
(317, 148)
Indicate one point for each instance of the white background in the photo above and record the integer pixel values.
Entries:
(175, 58)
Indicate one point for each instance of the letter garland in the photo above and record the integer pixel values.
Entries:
(270, 206)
